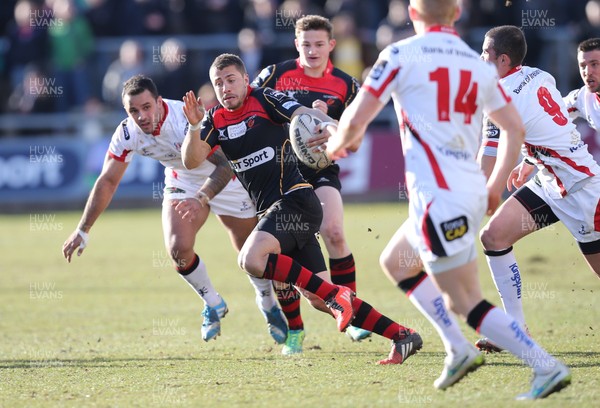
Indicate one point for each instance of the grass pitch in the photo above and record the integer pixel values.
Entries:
(118, 328)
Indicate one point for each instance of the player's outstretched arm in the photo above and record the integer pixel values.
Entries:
(512, 136)
(214, 184)
(194, 150)
(353, 123)
(99, 198)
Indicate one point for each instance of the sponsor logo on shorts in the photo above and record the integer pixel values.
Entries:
(174, 190)
(583, 230)
(245, 206)
(455, 228)
(253, 159)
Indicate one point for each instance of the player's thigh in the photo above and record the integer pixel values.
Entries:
(593, 261)
(177, 231)
(333, 208)
(239, 229)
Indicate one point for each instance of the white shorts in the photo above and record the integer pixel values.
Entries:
(579, 211)
(233, 200)
(444, 225)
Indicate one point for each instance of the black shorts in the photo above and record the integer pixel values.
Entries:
(295, 220)
(544, 216)
(540, 211)
(329, 176)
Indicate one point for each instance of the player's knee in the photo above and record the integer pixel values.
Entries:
(248, 262)
(399, 265)
(385, 262)
(333, 234)
(489, 238)
(241, 259)
(178, 249)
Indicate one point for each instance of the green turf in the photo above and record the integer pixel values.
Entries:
(118, 327)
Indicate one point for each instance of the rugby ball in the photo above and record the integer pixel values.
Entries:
(302, 128)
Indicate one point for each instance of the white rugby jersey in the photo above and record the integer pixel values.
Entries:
(440, 88)
(552, 141)
(581, 103)
(163, 145)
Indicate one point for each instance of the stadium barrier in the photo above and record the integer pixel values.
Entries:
(58, 172)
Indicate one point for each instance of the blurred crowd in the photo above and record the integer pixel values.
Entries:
(51, 59)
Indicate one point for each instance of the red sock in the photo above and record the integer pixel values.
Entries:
(343, 272)
(289, 299)
(282, 268)
(368, 318)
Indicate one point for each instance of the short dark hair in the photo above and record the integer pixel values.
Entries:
(227, 60)
(314, 22)
(590, 44)
(509, 40)
(138, 84)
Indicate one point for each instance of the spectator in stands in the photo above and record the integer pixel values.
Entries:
(27, 37)
(109, 18)
(129, 63)
(347, 54)
(172, 69)
(251, 51)
(259, 15)
(154, 15)
(395, 26)
(72, 42)
(34, 94)
(207, 95)
(215, 16)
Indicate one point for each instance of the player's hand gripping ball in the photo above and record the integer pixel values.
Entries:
(302, 128)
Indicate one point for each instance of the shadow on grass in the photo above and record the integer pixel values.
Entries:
(112, 362)
(573, 359)
(85, 362)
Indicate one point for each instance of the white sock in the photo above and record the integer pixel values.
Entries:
(428, 299)
(198, 279)
(265, 295)
(507, 278)
(507, 333)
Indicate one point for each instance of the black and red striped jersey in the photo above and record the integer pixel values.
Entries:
(335, 87)
(255, 140)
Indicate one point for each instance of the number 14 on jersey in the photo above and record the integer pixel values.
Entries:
(466, 97)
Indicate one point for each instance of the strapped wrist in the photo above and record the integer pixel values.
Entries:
(196, 126)
(84, 237)
(201, 197)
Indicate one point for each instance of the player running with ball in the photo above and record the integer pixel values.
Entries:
(313, 81)
(249, 125)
